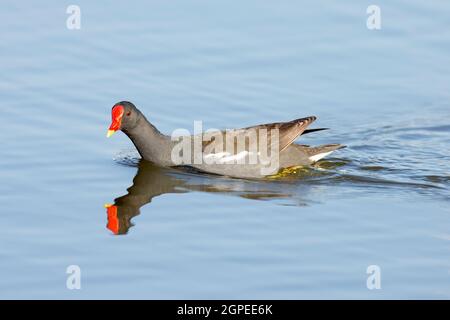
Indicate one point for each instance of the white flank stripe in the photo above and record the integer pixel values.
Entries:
(224, 157)
(218, 155)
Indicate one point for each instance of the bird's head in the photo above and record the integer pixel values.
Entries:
(124, 117)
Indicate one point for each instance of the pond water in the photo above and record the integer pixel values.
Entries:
(383, 200)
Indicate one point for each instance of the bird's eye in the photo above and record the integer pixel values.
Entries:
(128, 113)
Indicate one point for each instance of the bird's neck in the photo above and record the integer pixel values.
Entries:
(151, 144)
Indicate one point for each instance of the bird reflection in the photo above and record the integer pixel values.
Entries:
(151, 181)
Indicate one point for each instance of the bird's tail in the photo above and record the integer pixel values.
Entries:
(313, 130)
(319, 152)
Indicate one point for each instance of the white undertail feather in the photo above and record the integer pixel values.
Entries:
(319, 156)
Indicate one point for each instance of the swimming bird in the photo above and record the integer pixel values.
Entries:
(252, 152)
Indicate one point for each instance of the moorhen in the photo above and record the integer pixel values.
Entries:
(254, 152)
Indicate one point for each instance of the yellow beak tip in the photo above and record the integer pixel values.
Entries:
(109, 133)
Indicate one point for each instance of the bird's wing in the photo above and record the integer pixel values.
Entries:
(288, 132)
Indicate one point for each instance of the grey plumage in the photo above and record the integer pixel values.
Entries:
(156, 147)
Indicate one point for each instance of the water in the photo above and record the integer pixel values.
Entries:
(382, 201)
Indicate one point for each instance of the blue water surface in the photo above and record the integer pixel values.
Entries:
(384, 200)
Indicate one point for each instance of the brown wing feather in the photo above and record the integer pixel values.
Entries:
(288, 132)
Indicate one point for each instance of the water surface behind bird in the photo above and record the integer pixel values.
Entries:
(384, 200)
